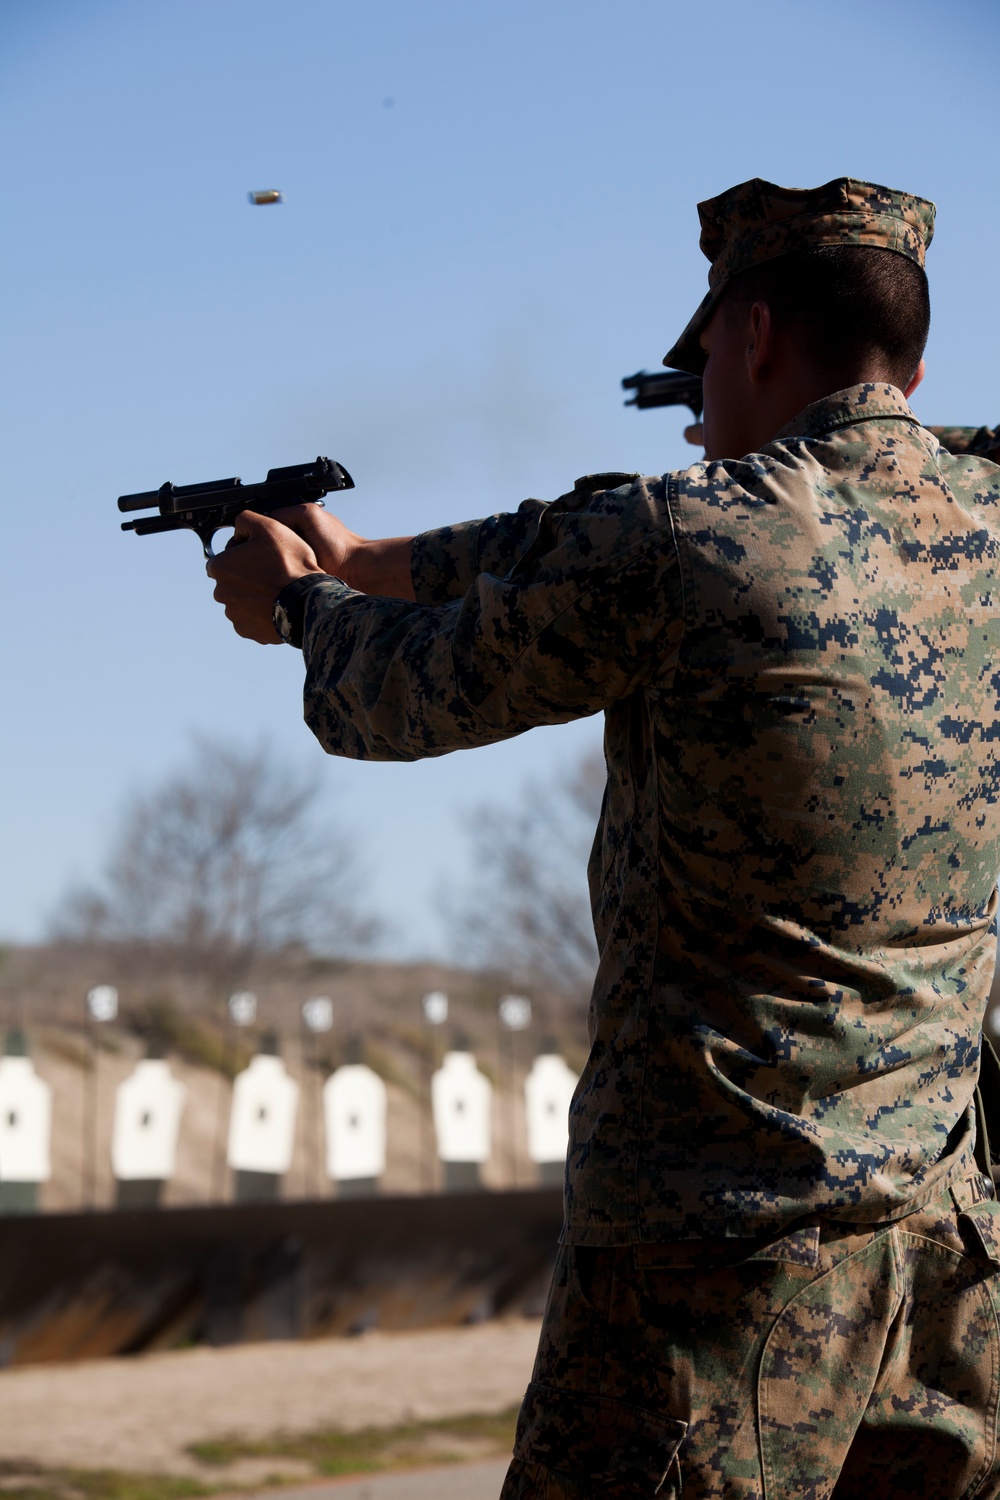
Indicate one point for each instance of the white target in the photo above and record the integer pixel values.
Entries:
(25, 1122)
(354, 1108)
(461, 1100)
(262, 1123)
(548, 1092)
(148, 1106)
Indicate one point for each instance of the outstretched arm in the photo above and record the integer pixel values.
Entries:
(370, 565)
(267, 553)
(591, 612)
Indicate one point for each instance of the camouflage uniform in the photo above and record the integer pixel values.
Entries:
(984, 441)
(832, 1360)
(793, 886)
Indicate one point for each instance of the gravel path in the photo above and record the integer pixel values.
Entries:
(141, 1414)
(462, 1482)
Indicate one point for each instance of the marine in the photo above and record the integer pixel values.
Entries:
(778, 1267)
(983, 441)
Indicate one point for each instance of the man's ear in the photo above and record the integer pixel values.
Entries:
(915, 380)
(760, 347)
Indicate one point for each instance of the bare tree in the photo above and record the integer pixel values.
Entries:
(223, 861)
(529, 911)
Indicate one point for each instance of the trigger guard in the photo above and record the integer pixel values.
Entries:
(207, 538)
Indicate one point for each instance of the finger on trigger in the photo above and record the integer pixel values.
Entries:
(247, 524)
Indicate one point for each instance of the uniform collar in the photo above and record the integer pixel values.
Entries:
(858, 403)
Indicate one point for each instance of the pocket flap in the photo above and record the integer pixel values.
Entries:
(984, 1221)
(596, 1439)
(978, 1211)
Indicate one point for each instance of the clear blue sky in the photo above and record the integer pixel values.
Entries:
(445, 302)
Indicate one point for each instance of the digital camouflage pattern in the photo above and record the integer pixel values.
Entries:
(836, 1360)
(793, 881)
(757, 221)
(983, 441)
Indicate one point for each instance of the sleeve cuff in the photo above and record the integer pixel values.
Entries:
(290, 605)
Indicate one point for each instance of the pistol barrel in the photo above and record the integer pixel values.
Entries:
(665, 388)
(173, 497)
(139, 502)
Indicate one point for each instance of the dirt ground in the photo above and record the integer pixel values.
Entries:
(141, 1414)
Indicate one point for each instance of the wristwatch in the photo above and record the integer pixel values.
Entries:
(290, 608)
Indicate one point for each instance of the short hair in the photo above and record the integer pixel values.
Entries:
(856, 307)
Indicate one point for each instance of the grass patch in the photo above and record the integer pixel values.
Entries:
(67, 1047)
(374, 1449)
(160, 1023)
(382, 1062)
(21, 1483)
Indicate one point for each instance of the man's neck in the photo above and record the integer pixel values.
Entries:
(775, 404)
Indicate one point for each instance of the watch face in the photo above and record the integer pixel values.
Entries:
(282, 623)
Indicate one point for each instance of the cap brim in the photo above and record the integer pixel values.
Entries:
(687, 354)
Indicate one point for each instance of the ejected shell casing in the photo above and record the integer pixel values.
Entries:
(266, 195)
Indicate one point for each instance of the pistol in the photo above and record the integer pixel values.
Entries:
(665, 388)
(209, 507)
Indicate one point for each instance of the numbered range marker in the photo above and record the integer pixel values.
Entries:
(514, 1012)
(435, 1008)
(243, 1008)
(317, 1013)
(102, 1002)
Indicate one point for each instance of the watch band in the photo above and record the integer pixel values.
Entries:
(290, 608)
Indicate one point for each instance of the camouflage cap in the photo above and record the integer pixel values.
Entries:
(758, 221)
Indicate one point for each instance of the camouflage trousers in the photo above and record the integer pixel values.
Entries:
(840, 1360)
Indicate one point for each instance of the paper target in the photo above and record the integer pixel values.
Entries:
(548, 1092)
(262, 1123)
(461, 1101)
(25, 1122)
(354, 1110)
(148, 1106)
